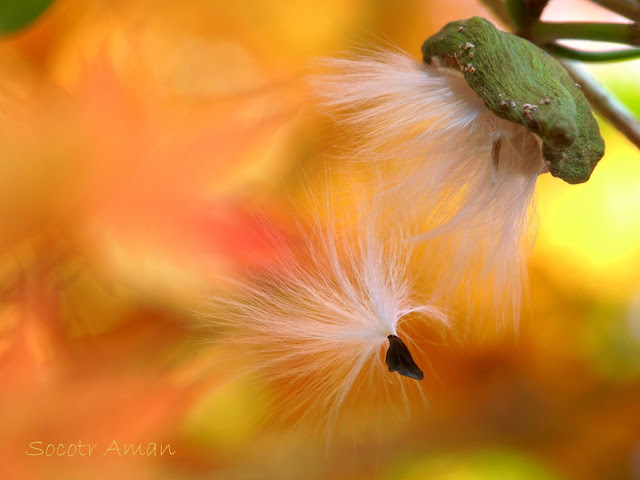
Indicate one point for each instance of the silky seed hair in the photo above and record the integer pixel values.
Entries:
(328, 325)
(469, 203)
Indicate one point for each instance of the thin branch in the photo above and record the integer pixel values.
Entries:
(545, 32)
(585, 56)
(605, 103)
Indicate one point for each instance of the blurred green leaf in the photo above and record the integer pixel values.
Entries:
(628, 93)
(483, 464)
(610, 346)
(16, 14)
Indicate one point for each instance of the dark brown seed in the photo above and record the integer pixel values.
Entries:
(399, 359)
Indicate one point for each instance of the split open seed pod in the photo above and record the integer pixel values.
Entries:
(523, 84)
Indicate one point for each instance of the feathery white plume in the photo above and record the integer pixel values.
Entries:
(463, 177)
(316, 324)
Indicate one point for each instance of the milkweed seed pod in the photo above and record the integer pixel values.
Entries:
(523, 84)
(457, 143)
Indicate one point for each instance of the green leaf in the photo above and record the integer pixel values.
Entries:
(17, 14)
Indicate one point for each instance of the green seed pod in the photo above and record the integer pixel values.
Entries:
(523, 84)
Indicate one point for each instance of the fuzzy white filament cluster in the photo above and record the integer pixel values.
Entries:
(315, 323)
(457, 183)
(462, 178)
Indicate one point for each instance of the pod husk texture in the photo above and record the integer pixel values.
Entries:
(523, 84)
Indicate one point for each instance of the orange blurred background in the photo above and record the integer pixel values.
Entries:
(144, 147)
